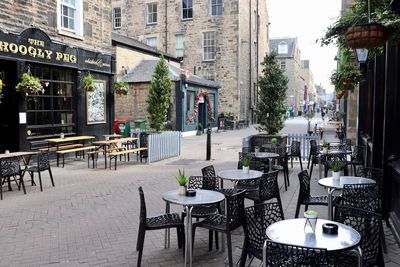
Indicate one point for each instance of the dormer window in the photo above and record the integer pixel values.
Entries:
(282, 48)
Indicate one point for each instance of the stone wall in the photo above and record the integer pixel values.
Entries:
(17, 15)
(231, 68)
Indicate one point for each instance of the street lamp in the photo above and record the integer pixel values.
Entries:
(361, 54)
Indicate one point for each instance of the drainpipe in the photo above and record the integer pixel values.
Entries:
(166, 27)
(257, 50)
(250, 61)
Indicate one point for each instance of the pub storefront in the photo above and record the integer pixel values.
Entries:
(62, 106)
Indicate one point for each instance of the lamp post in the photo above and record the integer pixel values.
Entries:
(361, 54)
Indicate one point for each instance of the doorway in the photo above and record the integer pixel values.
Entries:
(9, 130)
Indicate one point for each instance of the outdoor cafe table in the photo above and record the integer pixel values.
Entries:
(332, 185)
(202, 197)
(112, 143)
(292, 232)
(112, 136)
(58, 141)
(25, 156)
(238, 175)
(265, 155)
(330, 152)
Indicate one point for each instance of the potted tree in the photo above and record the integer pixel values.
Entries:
(121, 88)
(182, 180)
(29, 84)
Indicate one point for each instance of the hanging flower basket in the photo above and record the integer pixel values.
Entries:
(340, 94)
(366, 36)
(1, 85)
(88, 83)
(29, 84)
(121, 88)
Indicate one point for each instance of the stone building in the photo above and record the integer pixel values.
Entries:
(309, 87)
(218, 40)
(289, 57)
(59, 42)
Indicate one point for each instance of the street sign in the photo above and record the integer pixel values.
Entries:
(187, 73)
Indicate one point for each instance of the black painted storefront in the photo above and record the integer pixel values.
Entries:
(27, 120)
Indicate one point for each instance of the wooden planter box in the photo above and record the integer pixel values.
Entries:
(365, 36)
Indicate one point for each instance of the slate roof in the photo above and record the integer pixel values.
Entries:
(291, 42)
(143, 72)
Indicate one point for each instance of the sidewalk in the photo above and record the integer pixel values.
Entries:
(91, 217)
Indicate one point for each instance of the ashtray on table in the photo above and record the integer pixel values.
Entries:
(330, 228)
(190, 193)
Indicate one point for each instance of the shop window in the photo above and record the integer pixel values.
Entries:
(70, 17)
(52, 112)
(216, 7)
(187, 9)
(151, 13)
(117, 18)
(209, 46)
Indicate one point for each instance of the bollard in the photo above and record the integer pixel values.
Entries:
(208, 143)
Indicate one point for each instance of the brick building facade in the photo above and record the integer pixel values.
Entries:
(224, 41)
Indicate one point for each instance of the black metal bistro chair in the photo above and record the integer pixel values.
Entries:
(281, 162)
(165, 221)
(233, 218)
(255, 164)
(357, 158)
(257, 219)
(295, 152)
(282, 255)
(43, 164)
(10, 167)
(367, 224)
(305, 198)
(267, 189)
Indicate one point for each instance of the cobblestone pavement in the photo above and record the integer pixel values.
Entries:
(91, 217)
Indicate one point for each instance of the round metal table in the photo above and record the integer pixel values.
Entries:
(292, 232)
(265, 155)
(332, 185)
(202, 197)
(238, 175)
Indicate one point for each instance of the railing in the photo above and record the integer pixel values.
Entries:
(304, 142)
(163, 145)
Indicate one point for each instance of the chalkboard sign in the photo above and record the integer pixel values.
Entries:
(96, 103)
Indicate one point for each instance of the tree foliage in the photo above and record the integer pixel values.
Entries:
(159, 96)
(271, 107)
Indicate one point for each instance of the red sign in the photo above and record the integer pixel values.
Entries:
(187, 73)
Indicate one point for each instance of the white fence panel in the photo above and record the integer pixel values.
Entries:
(164, 145)
(304, 142)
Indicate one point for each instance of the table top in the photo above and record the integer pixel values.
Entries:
(238, 175)
(335, 151)
(202, 197)
(70, 139)
(347, 237)
(264, 155)
(114, 141)
(17, 154)
(329, 182)
(112, 135)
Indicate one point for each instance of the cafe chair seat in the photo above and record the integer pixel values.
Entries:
(163, 221)
(43, 164)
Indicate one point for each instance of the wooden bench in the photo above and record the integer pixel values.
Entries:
(78, 149)
(114, 155)
(53, 148)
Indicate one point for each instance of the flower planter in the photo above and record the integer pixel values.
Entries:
(120, 91)
(366, 36)
(336, 177)
(340, 94)
(182, 190)
(246, 169)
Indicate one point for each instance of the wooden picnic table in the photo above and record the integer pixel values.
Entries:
(112, 136)
(113, 143)
(72, 139)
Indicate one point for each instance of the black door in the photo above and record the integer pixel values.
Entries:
(9, 135)
(203, 115)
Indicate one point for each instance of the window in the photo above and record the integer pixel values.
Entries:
(282, 48)
(209, 46)
(70, 16)
(117, 18)
(179, 45)
(283, 65)
(216, 7)
(151, 13)
(152, 41)
(187, 9)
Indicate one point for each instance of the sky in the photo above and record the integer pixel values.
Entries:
(308, 20)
